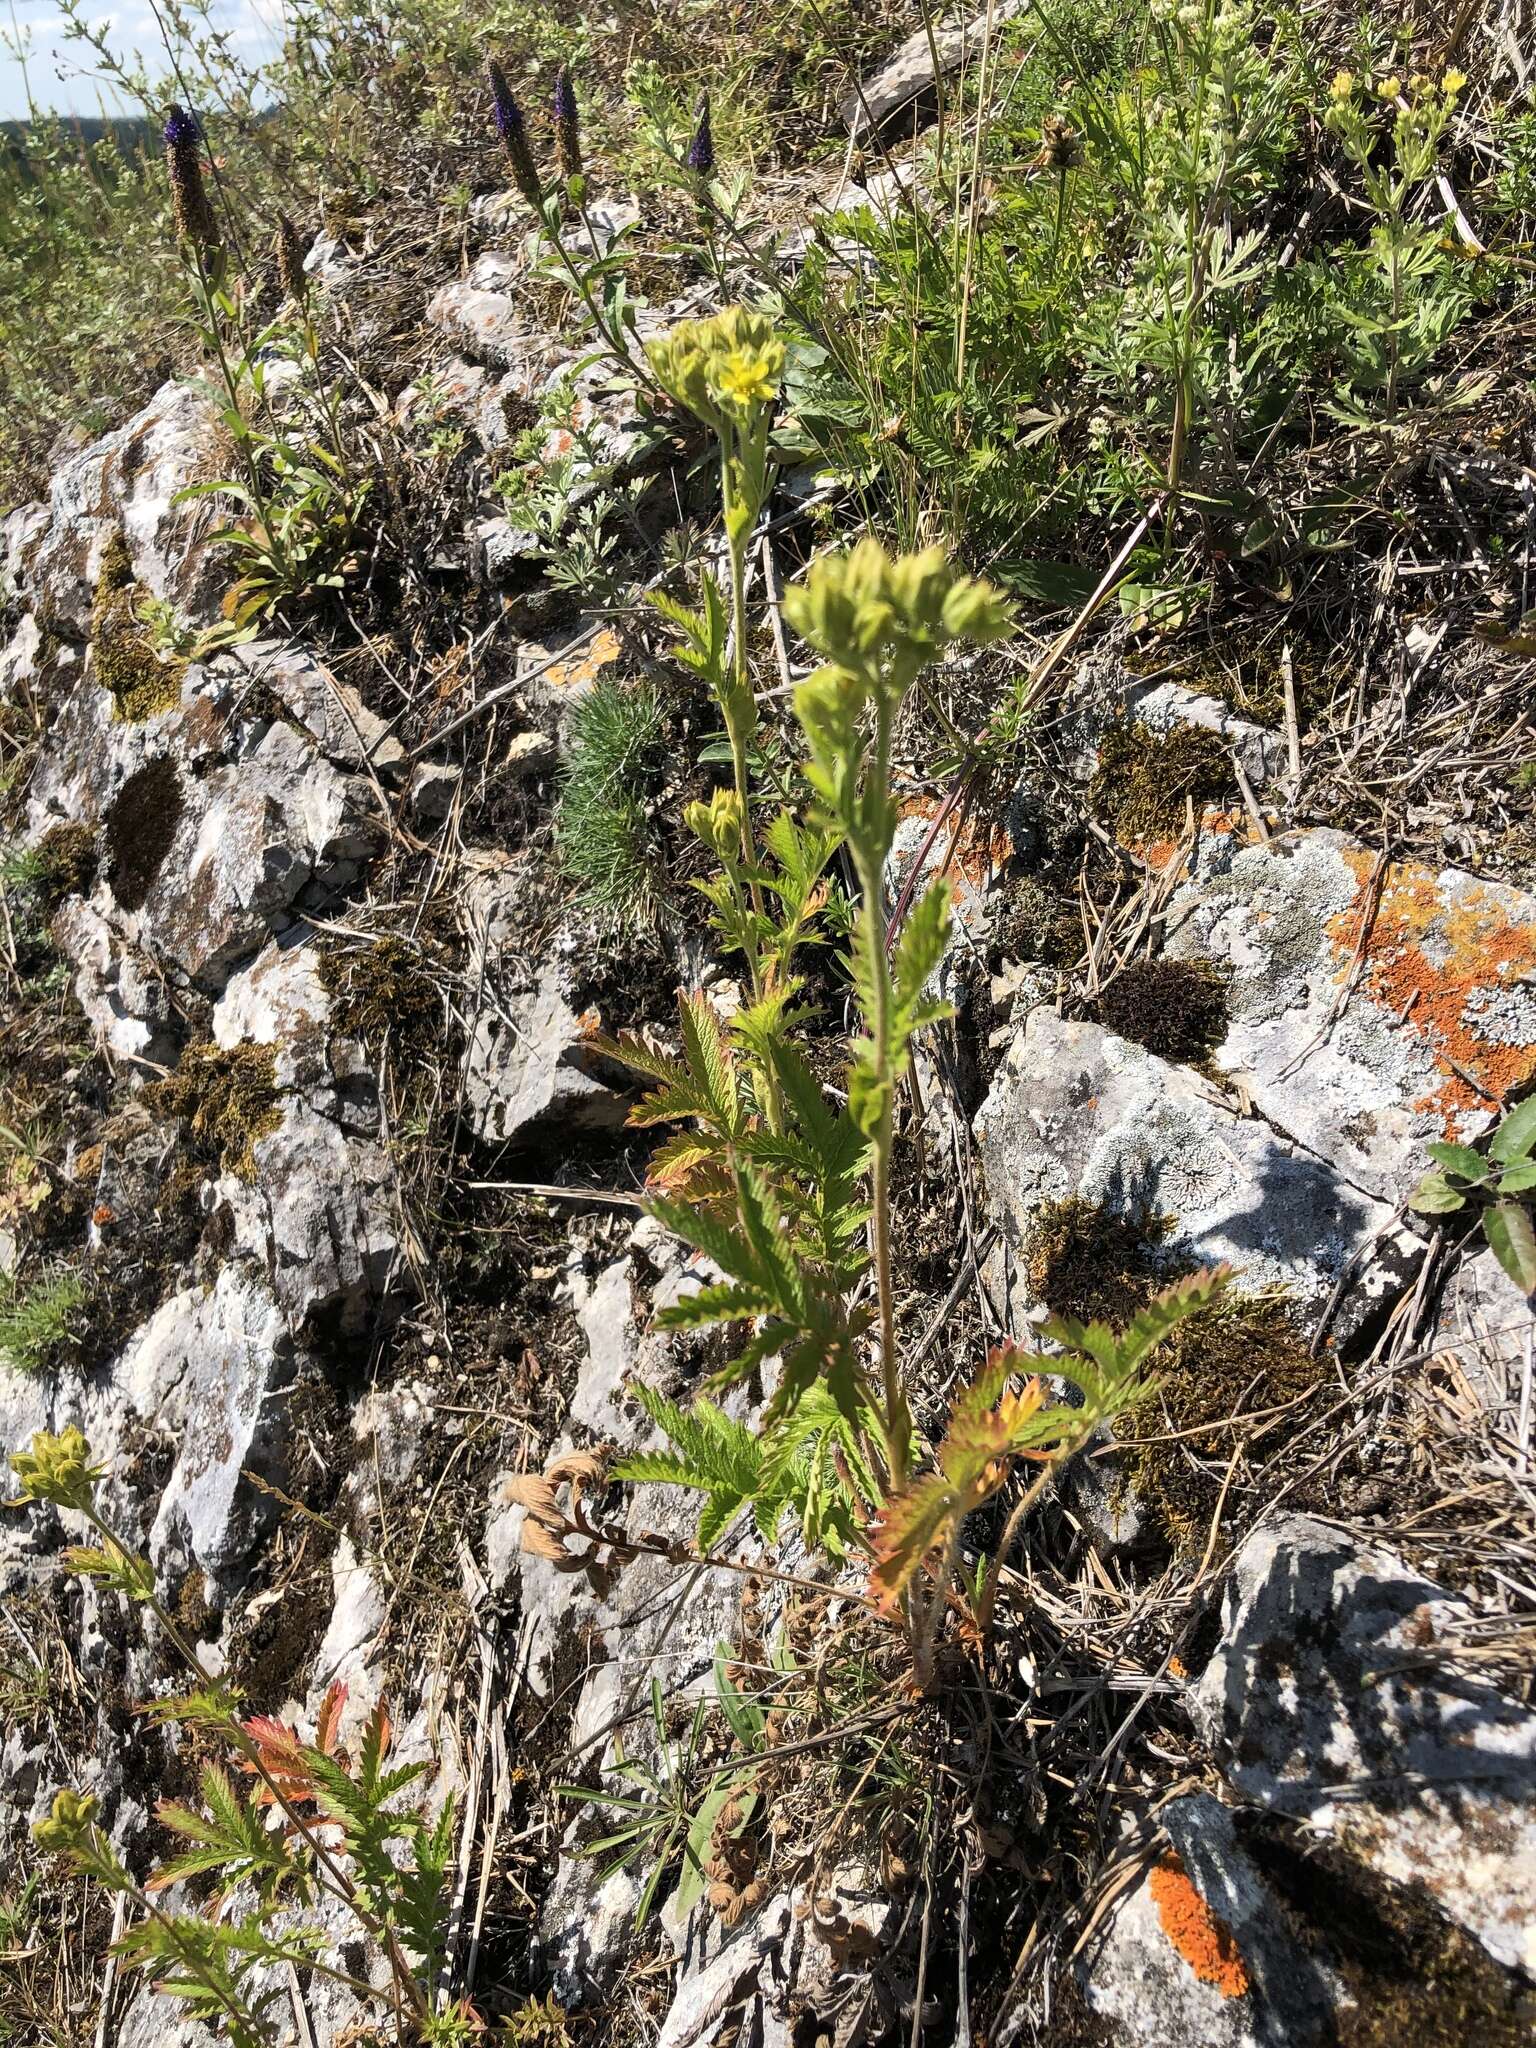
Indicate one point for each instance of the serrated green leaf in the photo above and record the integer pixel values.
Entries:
(1459, 1159)
(1435, 1196)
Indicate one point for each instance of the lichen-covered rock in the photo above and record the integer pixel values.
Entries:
(1075, 1111)
(1198, 1950)
(1334, 1697)
(555, 675)
(968, 859)
(126, 483)
(1371, 1008)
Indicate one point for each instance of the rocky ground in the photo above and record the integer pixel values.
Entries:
(300, 1090)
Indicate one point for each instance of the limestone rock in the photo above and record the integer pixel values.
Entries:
(319, 1218)
(1356, 995)
(1198, 1950)
(1073, 1110)
(487, 325)
(331, 711)
(529, 1060)
(211, 1368)
(908, 74)
(127, 481)
(202, 855)
(1334, 1697)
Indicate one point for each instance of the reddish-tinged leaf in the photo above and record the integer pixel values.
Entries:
(328, 1720)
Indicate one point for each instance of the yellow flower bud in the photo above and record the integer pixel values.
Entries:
(57, 1469)
(70, 1823)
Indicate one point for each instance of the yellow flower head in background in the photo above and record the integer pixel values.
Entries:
(1343, 85)
(1390, 88)
(1452, 83)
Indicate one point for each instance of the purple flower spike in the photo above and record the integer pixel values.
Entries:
(181, 129)
(567, 124)
(513, 130)
(189, 202)
(701, 151)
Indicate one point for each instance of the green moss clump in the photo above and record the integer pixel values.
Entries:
(1037, 924)
(229, 1098)
(122, 653)
(66, 864)
(384, 987)
(1146, 780)
(1175, 1008)
(1082, 1260)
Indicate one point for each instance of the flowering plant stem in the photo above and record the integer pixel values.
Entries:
(213, 312)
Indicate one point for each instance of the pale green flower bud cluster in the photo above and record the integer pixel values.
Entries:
(726, 369)
(58, 1469)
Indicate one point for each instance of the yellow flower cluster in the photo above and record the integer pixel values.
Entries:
(724, 369)
(1420, 86)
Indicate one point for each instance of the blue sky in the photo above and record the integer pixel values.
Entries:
(58, 72)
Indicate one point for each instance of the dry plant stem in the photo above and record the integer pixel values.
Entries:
(1011, 1529)
(655, 1547)
(335, 1881)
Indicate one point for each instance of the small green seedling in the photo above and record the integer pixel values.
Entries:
(1500, 1184)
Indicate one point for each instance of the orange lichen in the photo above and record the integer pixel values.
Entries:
(1426, 960)
(970, 852)
(587, 665)
(1204, 1941)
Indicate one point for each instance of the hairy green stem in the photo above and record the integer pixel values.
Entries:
(873, 880)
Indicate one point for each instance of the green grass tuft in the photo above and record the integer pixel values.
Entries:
(608, 845)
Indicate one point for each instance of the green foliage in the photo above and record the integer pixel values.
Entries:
(991, 1426)
(669, 1819)
(1117, 311)
(300, 498)
(313, 1819)
(767, 1178)
(37, 1316)
(603, 828)
(1499, 1186)
(806, 1463)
